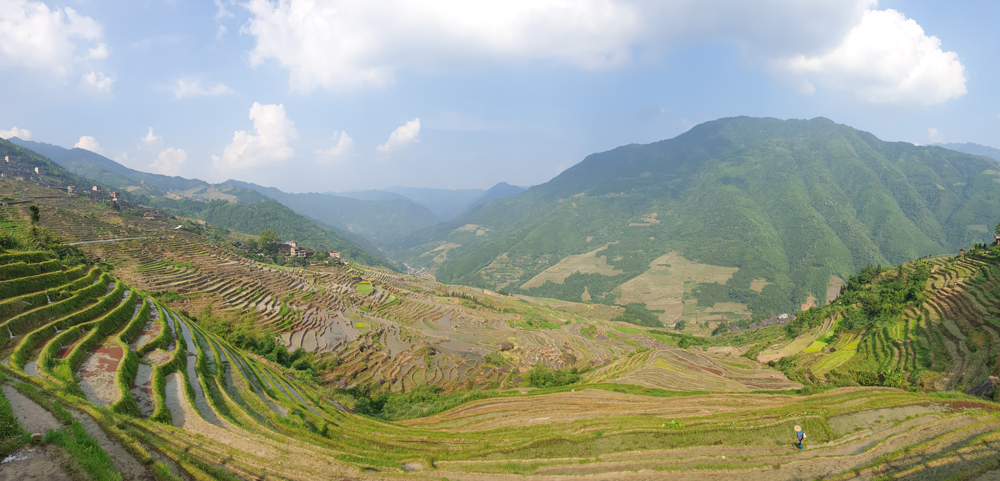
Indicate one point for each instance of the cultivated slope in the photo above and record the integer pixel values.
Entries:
(932, 324)
(128, 388)
(789, 203)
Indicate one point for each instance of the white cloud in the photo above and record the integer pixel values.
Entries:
(221, 32)
(150, 137)
(194, 88)
(887, 58)
(402, 136)
(339, 151)
(169, 162)
(351, 44)
(934, 135)
(23, 134)
(96, 82)
(89, 143)
(38, 37)
(100, 52)
(268, 144)
(222, 13)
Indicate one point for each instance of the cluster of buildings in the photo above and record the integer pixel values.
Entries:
(771, 321)
(292, 249)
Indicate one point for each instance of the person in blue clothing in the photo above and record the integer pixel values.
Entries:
(799, 435)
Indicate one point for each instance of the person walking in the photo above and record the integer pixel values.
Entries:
(799, 435)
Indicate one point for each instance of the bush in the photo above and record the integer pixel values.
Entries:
(541, 376)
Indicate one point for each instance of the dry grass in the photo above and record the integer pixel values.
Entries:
(587, 263)
(759, 284)
(662, 287)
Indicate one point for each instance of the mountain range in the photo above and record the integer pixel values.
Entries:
(736, 217)
(776, 209)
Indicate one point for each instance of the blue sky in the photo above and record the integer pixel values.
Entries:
(312, 95)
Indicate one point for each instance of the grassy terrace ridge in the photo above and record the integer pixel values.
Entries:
(219, 412)
(178, 359)
(929, 325)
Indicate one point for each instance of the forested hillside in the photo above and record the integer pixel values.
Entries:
(790, 204)
(269, 215)
(383, 222)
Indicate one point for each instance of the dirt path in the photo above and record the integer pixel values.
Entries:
(33, 418)
(129, 467)
(32, 463)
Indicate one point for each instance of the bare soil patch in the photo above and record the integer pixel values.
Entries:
(32, 463)
(32, 417)
(98, 375)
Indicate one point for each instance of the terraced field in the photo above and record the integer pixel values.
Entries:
(111, 375)
(949, 341)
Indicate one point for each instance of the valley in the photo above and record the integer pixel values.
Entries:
(177, 352)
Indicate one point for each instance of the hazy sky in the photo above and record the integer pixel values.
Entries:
(313, 95)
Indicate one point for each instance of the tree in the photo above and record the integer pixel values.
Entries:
(268, 240)
(996, 230)
(35, 215)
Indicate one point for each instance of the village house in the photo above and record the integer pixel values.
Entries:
(39, 171)
(70, 189)
(335, 256)
(296, 251)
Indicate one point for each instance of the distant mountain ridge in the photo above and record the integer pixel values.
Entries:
(446, 204)
(383, 222)
(227, 206)
(974, 149)
(788, 203)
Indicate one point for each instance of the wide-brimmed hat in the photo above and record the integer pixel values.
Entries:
(798, 428)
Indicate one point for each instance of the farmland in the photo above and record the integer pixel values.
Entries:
(119, 357)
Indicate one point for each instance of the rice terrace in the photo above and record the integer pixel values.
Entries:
(154, 353)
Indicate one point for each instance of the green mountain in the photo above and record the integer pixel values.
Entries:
(758, 211)
(102, 169)
(382, 222)
(227, 206)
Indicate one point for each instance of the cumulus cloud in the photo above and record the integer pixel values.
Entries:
(887, 58)
(267, 144)
(338, 151)
(169, 162)
(934, 135)
(193, 88)
(96, 82)
(402, 136)
(354, 43)
(23, 134)
(151, 138)
(89, 143)
(35, 36)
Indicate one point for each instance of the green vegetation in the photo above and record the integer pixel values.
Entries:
(268, 215)
(541, 376)
(846, 200)
(638, 314)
